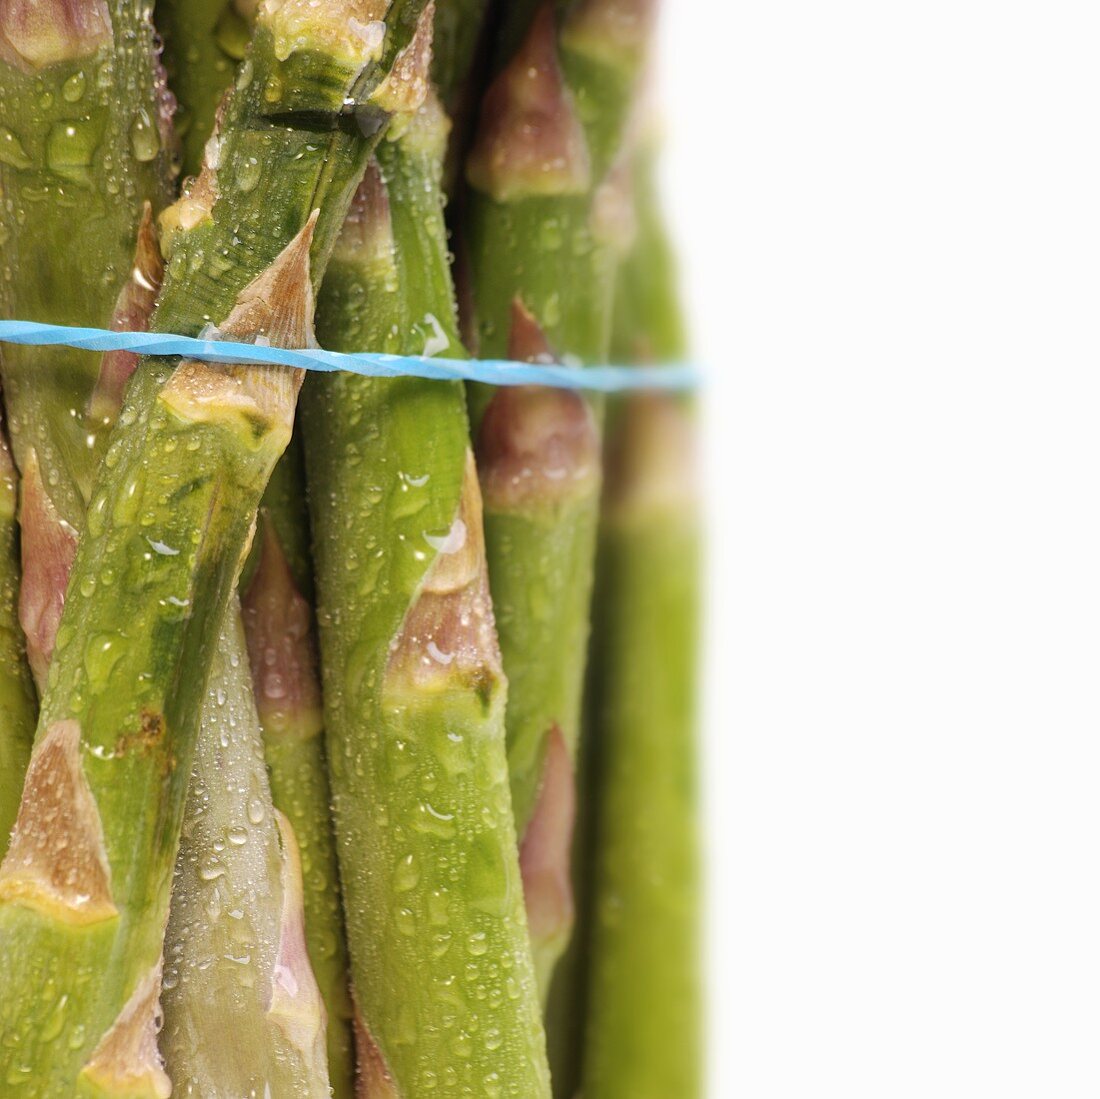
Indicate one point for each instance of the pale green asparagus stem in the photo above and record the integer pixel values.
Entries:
(84, 886)
(414, 696)
(242, 1010)
(644, 1018)
(99, 389)
(544, 215)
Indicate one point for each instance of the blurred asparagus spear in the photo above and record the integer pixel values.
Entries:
(643, 1020)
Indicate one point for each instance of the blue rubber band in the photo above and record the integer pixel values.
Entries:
(603, 379)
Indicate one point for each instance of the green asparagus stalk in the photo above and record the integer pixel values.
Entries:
(84, 886)
(18, 703)
(543, 221)
(77, 165)
(459, 25)
(643, 1022)
(414, 695)
(204, 43)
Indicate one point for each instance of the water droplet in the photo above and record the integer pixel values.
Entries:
(73, 88)
(144, 139)
(248, 174)
(406, 876)
(12, 151)
(70, 147)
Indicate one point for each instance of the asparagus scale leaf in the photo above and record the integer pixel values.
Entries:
(84, 886)
(18, 703)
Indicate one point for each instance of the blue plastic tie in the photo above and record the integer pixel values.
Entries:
(604, 379)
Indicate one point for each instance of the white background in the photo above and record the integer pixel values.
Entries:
(890, 214)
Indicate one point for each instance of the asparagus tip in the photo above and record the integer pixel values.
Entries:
(530, 140)
(37, 33)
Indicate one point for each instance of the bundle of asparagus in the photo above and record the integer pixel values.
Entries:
(291, 713)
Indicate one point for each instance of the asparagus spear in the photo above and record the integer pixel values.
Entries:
(643, 1021)
(18, 704)
(540, 230)
(76, 165)
(84, 886)
(204, 42)
(414, 695)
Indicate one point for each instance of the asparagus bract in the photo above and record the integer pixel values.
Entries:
(413, 690)
(18, 704)
(542, 222)
(84, 886)
(643, 1022)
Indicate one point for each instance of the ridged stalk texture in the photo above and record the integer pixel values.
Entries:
(18, 702)
(544, 217)
(644, 1018)
(204, 42)
(84, 886)
(414, 695)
